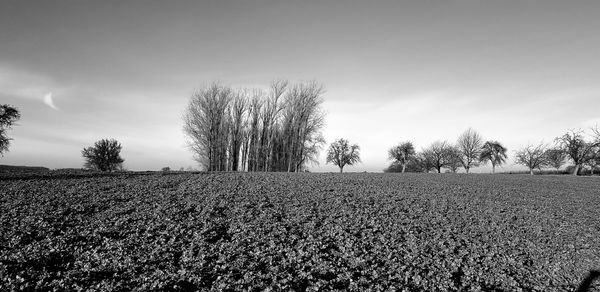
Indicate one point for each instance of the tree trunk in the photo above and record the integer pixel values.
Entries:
(439, 169)
(403, 167)
(341, 169)
(493, 168)
(467, 169)
(531, 171)
(576, 169)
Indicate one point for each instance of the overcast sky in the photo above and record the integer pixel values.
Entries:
(517, 71)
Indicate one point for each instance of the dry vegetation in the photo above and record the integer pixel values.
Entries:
(255, 231)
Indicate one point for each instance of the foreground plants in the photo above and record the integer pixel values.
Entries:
(298, 232)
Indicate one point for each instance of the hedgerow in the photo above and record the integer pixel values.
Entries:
(261, 231)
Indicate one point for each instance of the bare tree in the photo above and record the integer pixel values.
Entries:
(402, 153)
(573, 143)
(593, 159)
(271, 114)
(533, 157)
(253, 143)
(494, 152)
(439, 153)
(454, 159)
(311, 151)
(555, 158)
(8, 116)
(206, 125)
(302, 121)
(422, 163)
(238, 117)
(341, 153)
(469, 145)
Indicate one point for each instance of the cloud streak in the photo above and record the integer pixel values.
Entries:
(48, 101)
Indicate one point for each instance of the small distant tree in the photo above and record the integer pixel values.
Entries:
(166, 169)
(402, 153)
(469, 145)
(103, 156)
(8, 116)
(555, 158)
(422, 163)
(439, 154)
(341, 153)
(533, 157)
(593, 160)
(494, 152)
(455, 161)
(579, 150)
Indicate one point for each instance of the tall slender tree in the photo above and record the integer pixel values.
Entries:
(469, 145)
(238, 116)
(206, 124)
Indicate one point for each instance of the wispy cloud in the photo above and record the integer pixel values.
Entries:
(48, 101)
(18, 83)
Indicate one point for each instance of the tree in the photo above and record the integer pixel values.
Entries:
(533, 157)
(555, 158)
(593, 159)
(302, 122)
(341, 153)
(440, 154)
(493, 152)
(421, 163)
(454, 159)
(573, 143)
(469, 145)
(8, 116)
(206, 124)
(237, 123)
(402, 153)
(103, 156)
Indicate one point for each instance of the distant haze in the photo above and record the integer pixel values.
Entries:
(516, 71)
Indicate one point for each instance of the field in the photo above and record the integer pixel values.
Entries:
(260, 231)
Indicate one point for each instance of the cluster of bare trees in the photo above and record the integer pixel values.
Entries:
(469, 151)
(256, 130)
(572, 146)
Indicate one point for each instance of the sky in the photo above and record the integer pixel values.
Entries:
(520, 72)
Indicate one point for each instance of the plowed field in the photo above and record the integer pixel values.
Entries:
(258, 231)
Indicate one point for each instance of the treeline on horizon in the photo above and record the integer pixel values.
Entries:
(471, 151)
(280, 129)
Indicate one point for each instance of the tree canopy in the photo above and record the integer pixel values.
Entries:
(402, 153)
(493, 152)
(103, 156)
(8, 116)
(341, 153)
